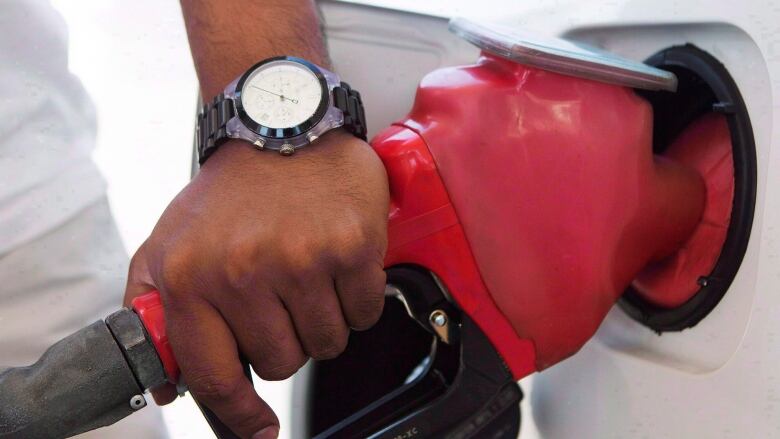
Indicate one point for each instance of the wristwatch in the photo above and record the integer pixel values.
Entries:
(281, 104)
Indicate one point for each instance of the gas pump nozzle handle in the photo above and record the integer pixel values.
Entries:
(149, 309)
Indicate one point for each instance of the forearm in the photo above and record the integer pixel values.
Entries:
(228, 36)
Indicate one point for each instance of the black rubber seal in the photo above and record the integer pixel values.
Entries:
(704, 86)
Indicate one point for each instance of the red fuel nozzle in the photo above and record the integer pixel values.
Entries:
(149, 308)
(705, 146)
(536, 198)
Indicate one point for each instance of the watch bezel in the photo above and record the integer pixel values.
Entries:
(289, 132)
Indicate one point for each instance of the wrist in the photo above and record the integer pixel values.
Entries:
(226, 40)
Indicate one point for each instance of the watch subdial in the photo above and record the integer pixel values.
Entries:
(283, 114)
(265, 99)
(283, 85)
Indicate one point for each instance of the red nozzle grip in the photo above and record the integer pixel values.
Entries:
(150, 310)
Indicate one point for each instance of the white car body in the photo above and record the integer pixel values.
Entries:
(718, 379)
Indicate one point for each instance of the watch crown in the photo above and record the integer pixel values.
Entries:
(286, 149)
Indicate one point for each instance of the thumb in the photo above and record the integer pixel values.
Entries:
(139, 282)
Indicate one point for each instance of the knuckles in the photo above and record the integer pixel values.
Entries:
(240, 263)
(278, 372)
(176, 272)
(354, 244)
(276, 350)
(213, 386)
(352, 236)
(368, 310)
(293, 255)
(328, 341)
(298, 255)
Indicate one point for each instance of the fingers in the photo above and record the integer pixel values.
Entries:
(266, 335)
(362, 294)
(164, 394)
(316, 314)
(208, 357)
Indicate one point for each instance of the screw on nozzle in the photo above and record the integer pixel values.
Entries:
(439, 318)
(137, 402)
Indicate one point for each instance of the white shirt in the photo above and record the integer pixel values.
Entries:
(47, 126)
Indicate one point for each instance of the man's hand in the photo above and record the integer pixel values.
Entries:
(274, 257)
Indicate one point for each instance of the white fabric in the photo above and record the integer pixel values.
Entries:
(47, 126)
(62, 263)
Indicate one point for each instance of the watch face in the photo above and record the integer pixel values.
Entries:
(283, 97)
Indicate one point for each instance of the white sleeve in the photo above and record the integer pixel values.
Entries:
(47, 125)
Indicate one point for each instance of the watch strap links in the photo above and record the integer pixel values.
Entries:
(212, 126)
(351, 104)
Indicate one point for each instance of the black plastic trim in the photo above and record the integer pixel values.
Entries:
(705, 86)
(463, 391)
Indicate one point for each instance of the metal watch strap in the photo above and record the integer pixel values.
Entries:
(350, 103)
(213, 118)
(211, 130)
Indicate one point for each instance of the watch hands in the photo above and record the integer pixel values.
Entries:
(283, 97)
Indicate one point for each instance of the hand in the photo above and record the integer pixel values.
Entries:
(274, 257)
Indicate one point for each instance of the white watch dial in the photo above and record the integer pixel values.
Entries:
(281, 94)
